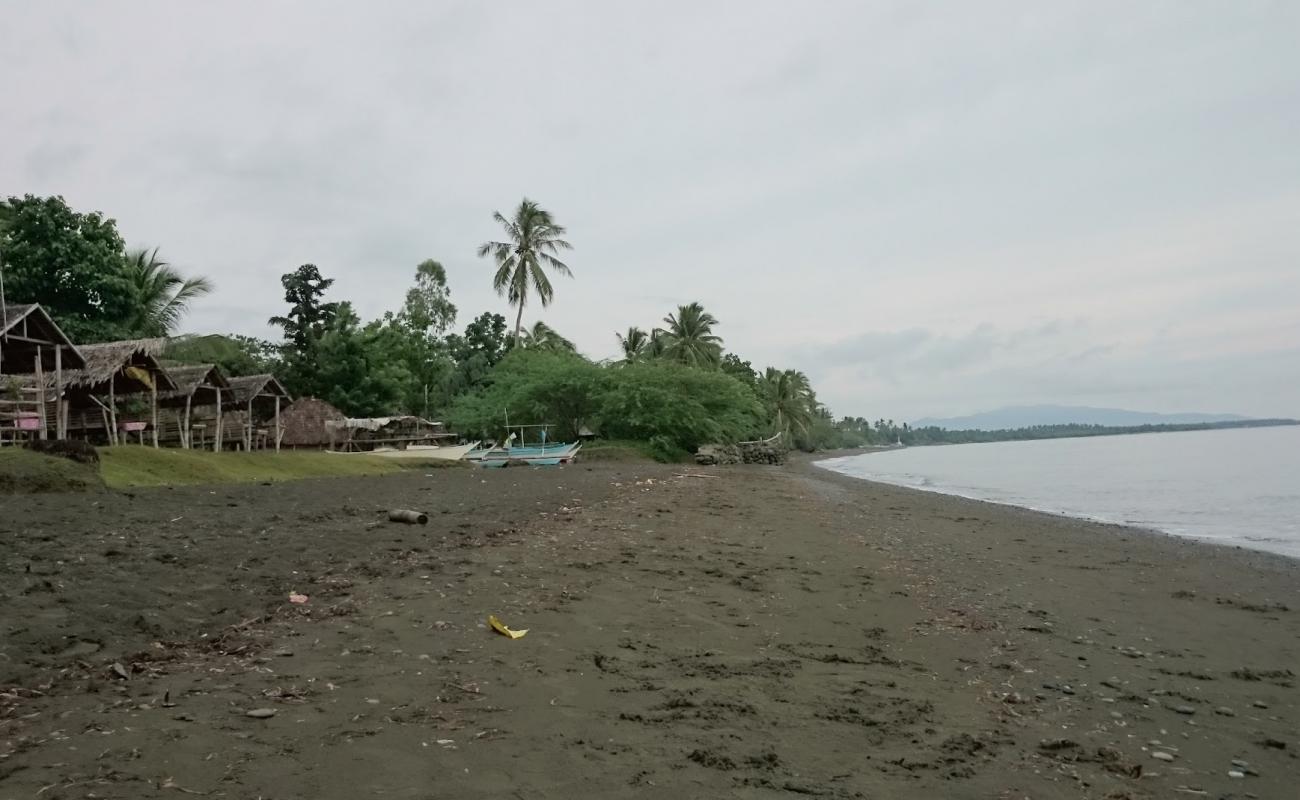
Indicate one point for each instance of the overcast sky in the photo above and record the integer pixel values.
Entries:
(931, 208)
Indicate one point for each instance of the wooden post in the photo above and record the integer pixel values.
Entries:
(40, 395)
(277, 423)
(248, 426)
(187, 437)
(216, 445)
(60, 423)
(112, 409)
(153, 391)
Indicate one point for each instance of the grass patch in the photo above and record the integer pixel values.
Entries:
(22, 471)
(617, 450)
(131, 465)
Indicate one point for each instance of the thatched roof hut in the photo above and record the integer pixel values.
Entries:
(26, 331)
(253, 387)
(195, 382)
(130, 366)
(112, 372)
(304, 423)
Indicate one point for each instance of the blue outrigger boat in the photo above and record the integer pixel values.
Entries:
(545, 456)
(539, 455)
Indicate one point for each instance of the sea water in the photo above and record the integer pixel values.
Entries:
(1234, 486)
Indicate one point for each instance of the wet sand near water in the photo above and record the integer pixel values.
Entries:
(759, 632)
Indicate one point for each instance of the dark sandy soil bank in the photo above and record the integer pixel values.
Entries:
(759, 632)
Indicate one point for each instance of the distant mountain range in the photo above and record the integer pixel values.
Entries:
(1027, 416)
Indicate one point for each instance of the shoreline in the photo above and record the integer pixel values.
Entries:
(762, 632)
(1190, 538)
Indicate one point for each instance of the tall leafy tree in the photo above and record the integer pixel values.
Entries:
(476, 352)
(428, 308)
(308, 315)
(72, 263)
(635, 344)
(354, 371)
(533, 243)
(308, 318)
(160, 295)
(689, 338)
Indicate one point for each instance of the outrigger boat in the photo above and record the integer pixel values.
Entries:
(539, 455)
(545, 455)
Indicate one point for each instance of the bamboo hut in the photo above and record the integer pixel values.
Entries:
(303, 424)
(254, 403)
(116, 392)
(31, 347)
(200, 393)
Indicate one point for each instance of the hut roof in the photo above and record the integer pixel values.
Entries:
(189, 377)
(303, 423)
(246, 387)
(105, 360)
(38, 330)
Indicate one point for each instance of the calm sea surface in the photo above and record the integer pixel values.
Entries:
(1233, 486)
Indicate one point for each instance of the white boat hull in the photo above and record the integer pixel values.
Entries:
(420, 451)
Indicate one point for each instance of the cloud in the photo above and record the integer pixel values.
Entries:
(924, 207)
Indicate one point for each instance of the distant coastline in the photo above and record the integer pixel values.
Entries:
(934, 435)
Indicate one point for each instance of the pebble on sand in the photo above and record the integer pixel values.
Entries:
(261, 713)
(1233, 773)
(1163, 756)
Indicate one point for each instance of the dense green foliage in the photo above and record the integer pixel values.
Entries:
(76, 266)
(671, 407)
(676, 408)
(533, 387)
(235, 355)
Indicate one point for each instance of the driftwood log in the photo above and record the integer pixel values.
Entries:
(408, 516)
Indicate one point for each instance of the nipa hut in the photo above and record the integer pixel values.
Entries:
(32, 346)
(194, 405)
(253, 409)
(116, 392)
(303, 424)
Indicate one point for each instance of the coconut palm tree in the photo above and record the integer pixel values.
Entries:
(689, 337)
(635, 344)
(546, 339)
(533, 242)
(789, 398)
(161, 295)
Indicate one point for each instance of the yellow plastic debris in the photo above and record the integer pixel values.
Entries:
(500, 627)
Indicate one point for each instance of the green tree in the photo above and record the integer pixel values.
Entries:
(546, 339)
(72, 263)
(533, 243)
(234, 354)
(789, 399)
(476, 352)
(635, 345)
(303, 326)
(428, 308)
(534, 387)
(160, 295)
(676, 408)
(739, 369)
(353, 370)
(689, 338)
(308, 316)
